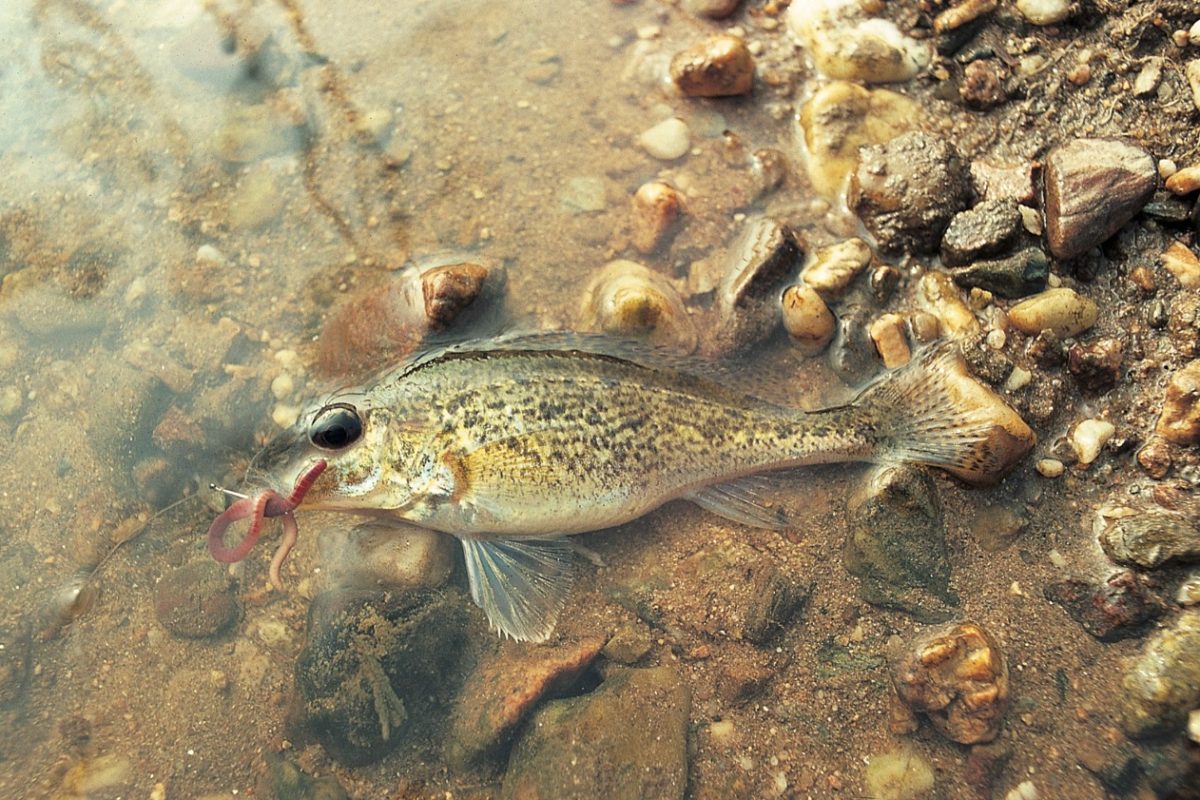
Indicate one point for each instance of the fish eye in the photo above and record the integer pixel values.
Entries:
(335, 427)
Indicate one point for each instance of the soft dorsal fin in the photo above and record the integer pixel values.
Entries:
(521, 584)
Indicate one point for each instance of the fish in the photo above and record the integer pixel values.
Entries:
(516, 443)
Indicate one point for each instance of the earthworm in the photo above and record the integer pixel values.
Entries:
(267, 503)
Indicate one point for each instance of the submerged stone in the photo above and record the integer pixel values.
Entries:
(372, 662)
(1163, 683)
(1147, 538)
(625, 299)
(1119, 608)
(897, 544)
(625, 741)
(1018, 275)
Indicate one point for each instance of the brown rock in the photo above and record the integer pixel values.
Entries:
(196, 601)
(1003, 181)
(957, 676)
(448, 290)
(982, 85)
(906, 191)
(505, 688)
(1092, 188)
(1096, 365)
(1119, 608)
(1179, 422)
(807, 319)
(712, 9)
(1155, 458)
(655, 208)
(720, 66)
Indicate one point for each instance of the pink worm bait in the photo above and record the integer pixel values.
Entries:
(267, 503)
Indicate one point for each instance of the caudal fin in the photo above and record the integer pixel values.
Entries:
(933, 411)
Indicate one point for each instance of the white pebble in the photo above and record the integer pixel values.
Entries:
(285, 416)
(1089, 436)
(996, 339)
(667, 141)
(1194, 725)
(1025, 790)
(1194, 34)
(1044, 12)
(135, 291)
(206, 252)
(288, 359)
(1057, 559)
(10, 401)
(1167, 168)
(282, 386)
(1018, 379)
(1050, 467)
(1189, 591)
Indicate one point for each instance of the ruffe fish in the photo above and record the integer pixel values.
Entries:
(513, 444)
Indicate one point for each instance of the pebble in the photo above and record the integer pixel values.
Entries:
(1031, 220)
(583, 194)
(1089, 437)
(1061, 311)
(629, 644)
(940, 297)
(287, 780)
(1147, 538)
(983, 84)
(1044, 12)
(1025, 790)
(1163, 683)
(666, 141)
(957, 676)
(256, 200)
(846, 44)
(840, 118)
(1018, 275)
(656, 206)
(1004, 181)
(1184, 181)
(1181, 262)
(1148, 77)
(285, 415)
(1179, 422)
(897, 543)
(569, 747)
(1018, 379)
(1050, 467)
(282, 386)
(989, 228)
(1154, 458)
(907, 191)
(1095, 365)
(505, 688)
(765, 255)
(965, 12)
(719, 66)
(386, 557)
(1119, 608)
(10, 401)
(900, 774)
(1092, 188)
(834, 267)
(627, 299)
(196, 601)
(1189, 591)
(887, 333)
(711, 9)
(807, 319)
(1193, 726)
(1193, 78)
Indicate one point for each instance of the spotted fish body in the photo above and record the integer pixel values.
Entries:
(512, 445)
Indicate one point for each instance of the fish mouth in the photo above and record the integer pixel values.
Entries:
(258, 507)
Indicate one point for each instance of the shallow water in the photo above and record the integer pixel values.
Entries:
(189, 190)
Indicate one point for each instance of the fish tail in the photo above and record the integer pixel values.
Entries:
(933, 411)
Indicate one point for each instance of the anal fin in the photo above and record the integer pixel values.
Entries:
(741, 501)
(521, 584)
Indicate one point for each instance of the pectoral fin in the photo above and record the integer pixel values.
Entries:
(521, 584)
(740, 501)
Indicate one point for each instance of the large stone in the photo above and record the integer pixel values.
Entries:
(840, 118)
(1163, 683)
(719, 66)
(505, 688)
(1147, 538)
(625, 741)
(907, 191)
(373, 661)
(1092, 188)
(988, 229)
(625, 299)
(897, 544)
(382, 556)
(1119, 608)
(958, 677)
(1017, 275)
(1179, 422)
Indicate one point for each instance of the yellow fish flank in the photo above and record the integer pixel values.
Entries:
(514, 444)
